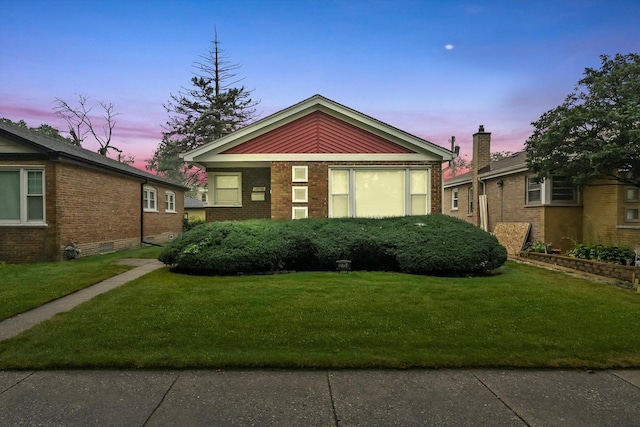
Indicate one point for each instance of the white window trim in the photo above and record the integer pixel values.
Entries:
(212, 184)
(407, 188)
(295, 189)
(455, 201)
(526, 193)
(169, 199)
(145, 201)
(303, 209)
(23, 220)
(299, 168)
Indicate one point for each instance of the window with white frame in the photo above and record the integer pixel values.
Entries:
(470, 199)
(227, 188)
(454, 199)
(632, 204)
(299, 212)
(22, 195)
(170, 201)
(557, 190)
(299, 173)
(299, 194)
(378, 192)
(149, 199)
(534, 191)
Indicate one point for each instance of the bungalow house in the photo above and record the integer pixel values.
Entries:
(603, 212)
(319, 158)
(54, 194)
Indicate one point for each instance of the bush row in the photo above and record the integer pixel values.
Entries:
(608, 254)
(431, 244)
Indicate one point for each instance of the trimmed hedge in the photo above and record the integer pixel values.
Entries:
(430, 244)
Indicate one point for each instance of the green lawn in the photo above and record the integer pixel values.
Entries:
(26, 286)
(523, 317)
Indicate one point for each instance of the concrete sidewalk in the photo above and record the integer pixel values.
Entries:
(321, 398)
(20, 323)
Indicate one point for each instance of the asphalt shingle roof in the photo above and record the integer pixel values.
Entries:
(50, 145)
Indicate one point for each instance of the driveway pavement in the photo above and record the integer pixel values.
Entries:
(320, 398)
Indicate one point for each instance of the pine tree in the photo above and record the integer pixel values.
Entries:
(211, 108)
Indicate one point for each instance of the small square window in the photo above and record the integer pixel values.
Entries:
(299, 194)
(632, 194)
(300, 173)
(299, 212)
(632, 215)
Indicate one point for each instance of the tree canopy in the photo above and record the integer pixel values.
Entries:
(212, 107)
(44, 129)
(595, 133)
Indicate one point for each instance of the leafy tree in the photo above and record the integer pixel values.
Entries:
(595, 133)
(212, 107)
(44, 129)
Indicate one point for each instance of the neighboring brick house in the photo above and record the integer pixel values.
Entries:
(318, 158)
(53, 193)
(603, 212)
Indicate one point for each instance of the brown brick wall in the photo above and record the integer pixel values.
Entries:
(463, 203)
(20, 244)
(603, 203)
(92, 207)
(319, 186)
(278, 204)
(251, 177)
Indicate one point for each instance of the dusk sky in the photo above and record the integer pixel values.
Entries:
(432, 68)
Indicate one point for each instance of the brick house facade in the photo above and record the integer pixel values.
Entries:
(55, 193)
(319, 158)
(602, 212)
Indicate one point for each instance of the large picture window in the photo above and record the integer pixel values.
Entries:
(227, 188)
(373, 192)
(22, 196)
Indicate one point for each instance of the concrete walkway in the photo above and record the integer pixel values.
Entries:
(321, 398)
(20, 323)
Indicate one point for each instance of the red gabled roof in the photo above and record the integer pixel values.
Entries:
(317, 132)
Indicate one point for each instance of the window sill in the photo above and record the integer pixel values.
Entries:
(150, 210)
(24, 224)
(223, 206)
(628, 227)
(171, 212)
(454, 209)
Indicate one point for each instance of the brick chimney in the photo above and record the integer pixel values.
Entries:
(481, 160)
(481, 150)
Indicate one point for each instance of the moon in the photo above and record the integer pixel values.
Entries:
(449, 47)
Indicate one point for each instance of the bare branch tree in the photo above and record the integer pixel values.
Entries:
(81, 125)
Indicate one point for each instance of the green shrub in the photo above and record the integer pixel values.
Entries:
(608, 254)
(431, 244)
(541, 247)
